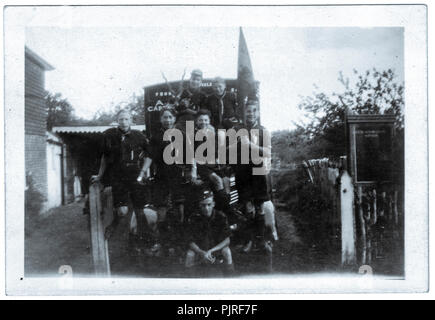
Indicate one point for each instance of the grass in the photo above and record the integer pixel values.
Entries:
(58, 237)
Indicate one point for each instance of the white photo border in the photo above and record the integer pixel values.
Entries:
(412, 17)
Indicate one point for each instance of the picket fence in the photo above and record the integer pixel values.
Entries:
(369, 217)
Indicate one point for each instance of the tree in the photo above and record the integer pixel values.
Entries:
(374, 92)
(104, 117)
(291, 146)
(59, 110)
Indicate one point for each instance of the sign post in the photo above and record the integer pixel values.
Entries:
(370, 161)
(370, 148)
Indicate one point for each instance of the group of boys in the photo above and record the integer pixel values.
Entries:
(207, 229)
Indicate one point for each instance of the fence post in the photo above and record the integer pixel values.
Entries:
(363, 226)
(396, 212)
(100, 256)
(375, 207)
(346, 195)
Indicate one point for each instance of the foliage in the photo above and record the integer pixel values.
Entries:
(322, 134)
(104, 116)
(291, 146)
(305, 202)
(373, 92)
(59, 110)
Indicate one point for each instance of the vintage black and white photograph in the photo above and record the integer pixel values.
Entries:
(190, 143)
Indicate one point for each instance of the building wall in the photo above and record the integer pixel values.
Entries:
(35, 111)
(35, 124)
(70, 171)
(35, 155)
(54, 175)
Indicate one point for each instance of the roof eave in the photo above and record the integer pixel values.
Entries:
(38, 60)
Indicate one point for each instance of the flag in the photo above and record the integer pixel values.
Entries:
(247, 86)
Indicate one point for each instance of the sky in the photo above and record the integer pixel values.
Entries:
(98, 67)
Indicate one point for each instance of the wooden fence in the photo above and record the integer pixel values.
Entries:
(379, 212)
(369, 217)
(336, 188)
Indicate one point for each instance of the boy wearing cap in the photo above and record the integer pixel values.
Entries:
(209, 233)
(191, 100)
(222, 105)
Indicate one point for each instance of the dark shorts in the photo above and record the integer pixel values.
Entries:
(166, 190)
(123, 190)
(204, 171)
(256, 188)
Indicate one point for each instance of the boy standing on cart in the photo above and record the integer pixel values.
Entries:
(192, 99)
(222, 105)
(252, 179)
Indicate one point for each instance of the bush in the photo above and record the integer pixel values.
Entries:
(34, 200)
(305, 202)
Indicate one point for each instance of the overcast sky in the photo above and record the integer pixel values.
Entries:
(97, 67)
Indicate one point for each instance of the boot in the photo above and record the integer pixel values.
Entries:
(146, 236)
(247, 247)
(259, 229)
(222, 201)
(229, 270)
(191, 272)
(223, 204)
(165, 237)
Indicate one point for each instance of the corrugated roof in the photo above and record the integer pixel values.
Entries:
(90, 129)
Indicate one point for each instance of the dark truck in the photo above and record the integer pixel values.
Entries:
(156, 96)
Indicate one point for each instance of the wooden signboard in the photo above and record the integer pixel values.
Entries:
(370, 147)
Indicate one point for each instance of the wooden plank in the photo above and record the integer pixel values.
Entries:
(99, 246)
(384, 204)
(375, 207)
(396, 212)
(363, 227)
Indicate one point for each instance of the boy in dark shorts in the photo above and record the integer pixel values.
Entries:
(124, 150)
(252, 179)
(209, 234)
(208, 171)
(213, 173)
(168, 186)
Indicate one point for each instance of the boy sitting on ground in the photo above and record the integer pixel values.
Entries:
(209, 234)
